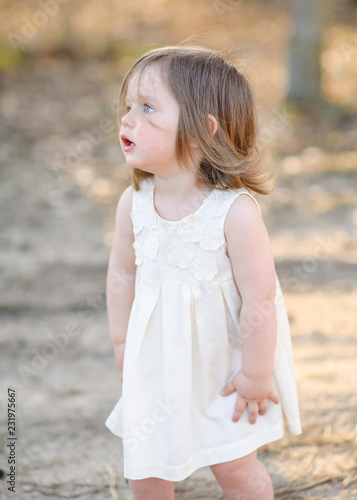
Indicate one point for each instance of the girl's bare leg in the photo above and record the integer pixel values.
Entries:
(244, 479)
(152, 488)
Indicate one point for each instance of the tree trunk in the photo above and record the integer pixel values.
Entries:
(309, 18)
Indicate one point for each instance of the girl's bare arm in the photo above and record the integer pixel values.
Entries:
(254, 273)
(121, 277)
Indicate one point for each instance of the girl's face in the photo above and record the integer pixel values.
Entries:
(149, 128)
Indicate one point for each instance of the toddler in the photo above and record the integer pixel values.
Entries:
(200, 331)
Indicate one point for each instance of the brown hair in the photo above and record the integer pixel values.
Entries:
(204, 82)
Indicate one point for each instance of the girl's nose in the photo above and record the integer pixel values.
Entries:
(127, 119)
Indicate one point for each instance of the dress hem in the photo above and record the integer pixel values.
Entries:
(204, 459)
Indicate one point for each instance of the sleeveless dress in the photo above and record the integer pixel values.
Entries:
(184, 345)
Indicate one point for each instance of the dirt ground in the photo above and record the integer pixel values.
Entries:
(57, 200)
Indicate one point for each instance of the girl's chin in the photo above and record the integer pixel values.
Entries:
(141, 168)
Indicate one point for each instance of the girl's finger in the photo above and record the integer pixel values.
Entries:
(253, 409)
(274, 397)
(239, 409)
(263, 407)
(229, 389)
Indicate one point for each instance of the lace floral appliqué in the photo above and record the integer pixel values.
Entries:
(208, 235)
(146, 247)
(187, 256)
(204, 266)
(199, 237)
(180, 255)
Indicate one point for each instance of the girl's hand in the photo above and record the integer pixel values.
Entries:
(253, 394)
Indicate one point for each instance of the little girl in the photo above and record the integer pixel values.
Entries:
(196, 315)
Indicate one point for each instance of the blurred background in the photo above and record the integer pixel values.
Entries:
(62, 172)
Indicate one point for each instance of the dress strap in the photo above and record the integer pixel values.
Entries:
(220, 204)
(243, 191)
(140, 213)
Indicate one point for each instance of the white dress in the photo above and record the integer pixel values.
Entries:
(184, 345)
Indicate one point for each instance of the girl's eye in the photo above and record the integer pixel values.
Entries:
(127, 109)
(148, 109)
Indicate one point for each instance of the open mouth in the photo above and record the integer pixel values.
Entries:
(127, 143)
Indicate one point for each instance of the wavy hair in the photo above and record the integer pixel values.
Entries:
(204, 82)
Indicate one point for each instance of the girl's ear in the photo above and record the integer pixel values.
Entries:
(213, 124)
(213, 127)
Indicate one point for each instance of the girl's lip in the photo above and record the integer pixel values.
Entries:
(127, 143)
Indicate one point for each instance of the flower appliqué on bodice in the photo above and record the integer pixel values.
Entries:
(199, 234)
